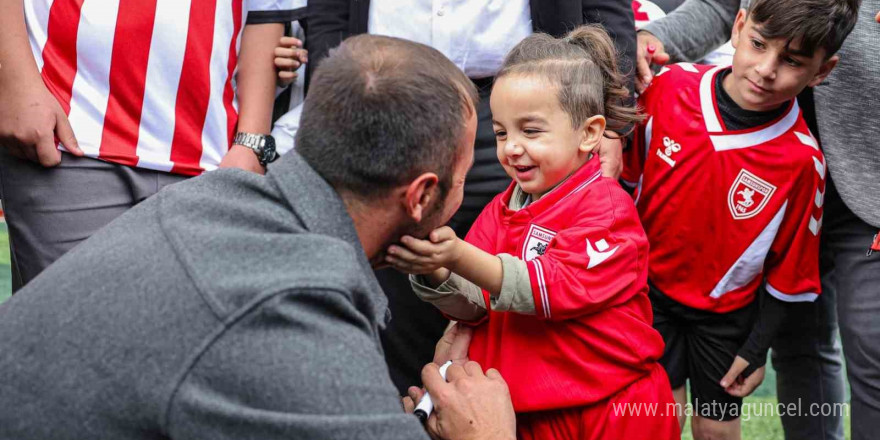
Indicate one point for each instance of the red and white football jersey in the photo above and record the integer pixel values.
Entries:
(587, 259)
(724, 209)
(146, 83)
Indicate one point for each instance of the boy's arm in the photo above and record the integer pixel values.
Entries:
(256, 90)
(771, 316)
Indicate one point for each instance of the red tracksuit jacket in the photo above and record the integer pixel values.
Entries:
(587, 256)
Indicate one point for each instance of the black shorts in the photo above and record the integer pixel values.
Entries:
(701, 346)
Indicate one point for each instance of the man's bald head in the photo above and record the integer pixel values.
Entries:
(380, 112)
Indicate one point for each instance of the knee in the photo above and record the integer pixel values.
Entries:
(706, 429)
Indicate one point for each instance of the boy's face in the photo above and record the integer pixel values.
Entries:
(765, 72)
(537, 145)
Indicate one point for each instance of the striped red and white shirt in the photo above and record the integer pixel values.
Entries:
(147, 83)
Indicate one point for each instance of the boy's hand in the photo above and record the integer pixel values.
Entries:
(649, 50)
(425, 256)
(739, 386)
(289, 55)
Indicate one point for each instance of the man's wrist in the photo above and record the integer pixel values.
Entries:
(261, 145)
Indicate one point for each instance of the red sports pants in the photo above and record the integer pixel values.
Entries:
(643, 410)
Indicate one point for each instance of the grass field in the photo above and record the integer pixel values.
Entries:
(757, 427)
(5, 273)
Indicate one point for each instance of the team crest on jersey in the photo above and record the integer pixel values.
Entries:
(748, 195)
(536, 242)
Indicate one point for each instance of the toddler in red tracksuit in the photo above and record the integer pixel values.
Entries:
(553, 273)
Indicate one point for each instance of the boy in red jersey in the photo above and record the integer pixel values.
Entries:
(730, 192)
(554, 270)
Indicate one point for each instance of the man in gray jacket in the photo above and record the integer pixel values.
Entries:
(237, 306)
(846, 105)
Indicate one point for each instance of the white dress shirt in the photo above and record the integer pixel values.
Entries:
(475, 34)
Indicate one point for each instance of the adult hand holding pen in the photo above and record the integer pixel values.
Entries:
(469, 404)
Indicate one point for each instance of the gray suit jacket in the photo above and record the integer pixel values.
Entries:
(229, 306)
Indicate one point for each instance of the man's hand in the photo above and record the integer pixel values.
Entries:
(739, 386)
(425, 256)
(289, 55)
(469, 404)
(242, 157)
(453, 346)
(649, 51)
(610, 151)
(31, 120)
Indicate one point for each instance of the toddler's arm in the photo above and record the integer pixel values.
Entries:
(455, 273)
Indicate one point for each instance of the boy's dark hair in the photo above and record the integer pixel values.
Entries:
(812, 24)
(582, 66)
(381, 111)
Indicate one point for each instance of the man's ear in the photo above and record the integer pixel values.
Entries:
(824, 70)
(593, 130)
(419, 195)
(738, 26)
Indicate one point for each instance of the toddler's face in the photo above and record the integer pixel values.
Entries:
(766, 73)
(537, 145)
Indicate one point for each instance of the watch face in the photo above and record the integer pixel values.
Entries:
(269, 153)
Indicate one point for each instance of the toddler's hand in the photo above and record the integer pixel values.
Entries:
(425, 256)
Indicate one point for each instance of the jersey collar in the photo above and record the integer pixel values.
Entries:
(588, 173)
(722, 139)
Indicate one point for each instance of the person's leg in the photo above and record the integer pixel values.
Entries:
(51, 210)
(674, 360)
(680, 395)
(809, 371)
(856, 282)
(708, 429)
(713, 341)
(642, 410)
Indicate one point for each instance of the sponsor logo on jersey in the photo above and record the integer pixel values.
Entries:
(536, 242)
(600, 253)
(748, 195)
(669, 148)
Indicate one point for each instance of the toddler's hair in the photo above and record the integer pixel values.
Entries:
(583, 67)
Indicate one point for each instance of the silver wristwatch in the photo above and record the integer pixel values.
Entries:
(262, 144)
